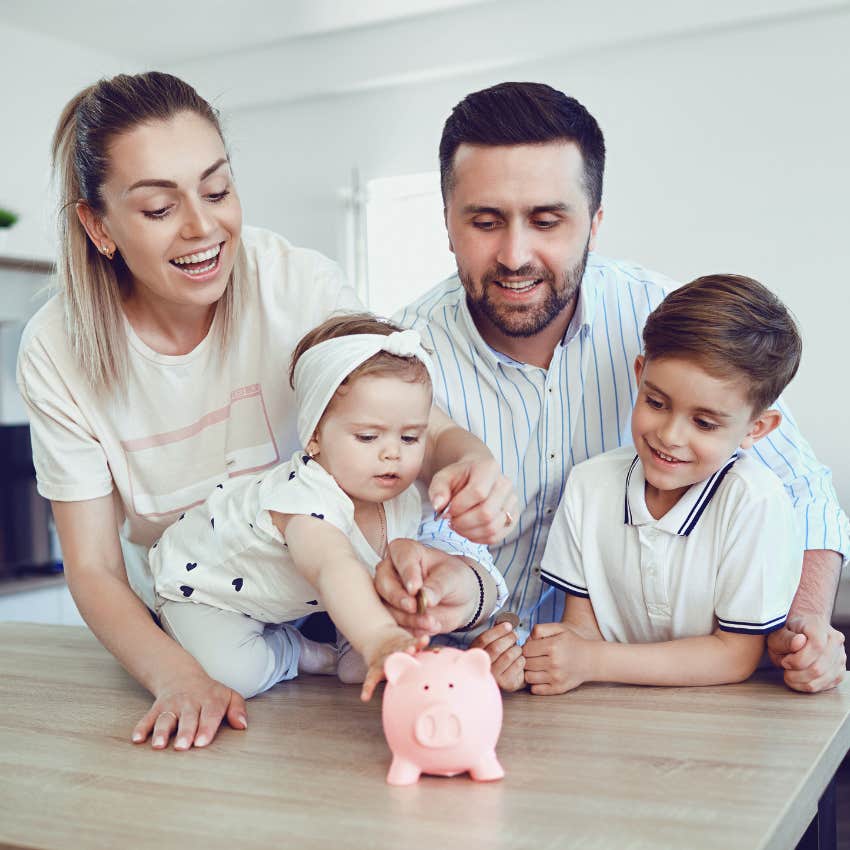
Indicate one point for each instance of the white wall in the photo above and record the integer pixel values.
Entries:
(40, 75)
(727, 152)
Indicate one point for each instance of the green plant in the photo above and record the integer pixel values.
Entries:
(7, 218)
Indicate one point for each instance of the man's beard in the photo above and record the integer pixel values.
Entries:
(524, 320)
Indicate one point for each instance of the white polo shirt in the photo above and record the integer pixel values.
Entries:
(727, 554)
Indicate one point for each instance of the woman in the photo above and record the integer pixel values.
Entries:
(160, 369)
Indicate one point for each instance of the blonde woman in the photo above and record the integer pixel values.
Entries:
(158, 371)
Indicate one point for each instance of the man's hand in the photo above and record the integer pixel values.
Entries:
(451, 589)
(507, 663)
(556, 659)
(477, 498)
(810, 652)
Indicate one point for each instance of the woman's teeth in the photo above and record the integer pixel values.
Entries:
(198, 258)
(666, 457)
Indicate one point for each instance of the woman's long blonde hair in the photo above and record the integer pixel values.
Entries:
(92, 286)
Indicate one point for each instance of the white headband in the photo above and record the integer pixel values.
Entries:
(321, 369)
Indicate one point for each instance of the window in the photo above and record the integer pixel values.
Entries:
(400, 248)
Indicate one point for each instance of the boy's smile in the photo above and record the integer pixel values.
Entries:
(687, 423)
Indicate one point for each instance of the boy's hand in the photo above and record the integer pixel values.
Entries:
(507, 663)
(397, 641)
(556, 659)
(810, 651)
(477, 498)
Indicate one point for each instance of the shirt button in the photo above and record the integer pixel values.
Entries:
(552, 455)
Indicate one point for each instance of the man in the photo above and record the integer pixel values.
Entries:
(534, 340)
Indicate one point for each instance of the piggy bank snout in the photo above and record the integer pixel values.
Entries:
(437, 726)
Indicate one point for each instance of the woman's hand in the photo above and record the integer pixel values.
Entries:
(450, 587)
(191, 709)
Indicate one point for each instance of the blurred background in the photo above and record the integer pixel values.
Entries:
(727, 126)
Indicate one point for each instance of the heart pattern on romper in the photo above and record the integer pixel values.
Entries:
(220, 486)
(318, 516)
(186, 590)
(190, 566)
(312, 602)
(305, 459)
(292, 475)
(212, 521)
(237, 583)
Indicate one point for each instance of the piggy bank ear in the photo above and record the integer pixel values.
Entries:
(476, 661)
(400, 662)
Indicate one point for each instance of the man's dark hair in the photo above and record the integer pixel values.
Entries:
(523, 114)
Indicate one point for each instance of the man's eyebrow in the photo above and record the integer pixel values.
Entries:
(477, 209)
(170, 184)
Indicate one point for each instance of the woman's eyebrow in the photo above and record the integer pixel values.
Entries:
(170, 184)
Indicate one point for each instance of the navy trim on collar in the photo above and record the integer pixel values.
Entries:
(705, 497)
(698, 504)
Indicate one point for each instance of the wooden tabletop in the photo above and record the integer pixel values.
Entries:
(740, 766)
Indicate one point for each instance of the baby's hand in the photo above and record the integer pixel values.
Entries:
(398, 641)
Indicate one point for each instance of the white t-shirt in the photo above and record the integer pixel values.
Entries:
(227, 552)
(727, 554)
(187, 422)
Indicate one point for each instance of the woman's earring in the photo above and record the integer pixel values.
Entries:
(107, 251)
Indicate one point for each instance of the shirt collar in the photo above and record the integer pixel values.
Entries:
(682, 518)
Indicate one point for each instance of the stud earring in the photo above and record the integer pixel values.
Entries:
(107, 252)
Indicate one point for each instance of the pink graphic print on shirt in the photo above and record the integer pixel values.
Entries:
(234, 440)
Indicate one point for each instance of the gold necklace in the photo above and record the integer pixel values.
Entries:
(382, 519)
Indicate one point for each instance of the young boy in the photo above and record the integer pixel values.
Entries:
(679, 554)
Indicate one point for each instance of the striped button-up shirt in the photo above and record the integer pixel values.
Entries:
(540, 422)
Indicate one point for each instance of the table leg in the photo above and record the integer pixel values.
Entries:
(821, 833)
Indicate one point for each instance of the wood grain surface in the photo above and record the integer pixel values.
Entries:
(740, 766)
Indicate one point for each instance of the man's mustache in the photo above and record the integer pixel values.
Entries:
(528, 271)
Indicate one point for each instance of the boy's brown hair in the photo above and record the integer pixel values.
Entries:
(734, 328)
(408, 368)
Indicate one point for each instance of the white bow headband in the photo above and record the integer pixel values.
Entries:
(321, 369)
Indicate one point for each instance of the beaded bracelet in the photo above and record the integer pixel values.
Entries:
(471, 624)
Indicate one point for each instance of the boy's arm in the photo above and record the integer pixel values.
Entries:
(560, 662)
(325, 557)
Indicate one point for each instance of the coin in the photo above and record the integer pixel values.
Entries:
(507, 617)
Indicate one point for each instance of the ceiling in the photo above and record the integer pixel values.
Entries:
(168, 32)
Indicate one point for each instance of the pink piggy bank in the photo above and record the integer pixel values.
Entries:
(442, 715)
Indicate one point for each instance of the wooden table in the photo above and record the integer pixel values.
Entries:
(741, 766)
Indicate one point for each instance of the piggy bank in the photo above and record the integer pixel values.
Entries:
(442, 715)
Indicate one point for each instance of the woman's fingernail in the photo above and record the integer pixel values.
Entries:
(159, 741)
(137, 736)
(201, 741)
(244, 721)
(181, 744)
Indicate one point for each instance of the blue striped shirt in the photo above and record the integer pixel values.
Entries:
(539, 423)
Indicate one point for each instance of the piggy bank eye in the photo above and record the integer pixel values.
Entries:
(426, 687)
(451, 684)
